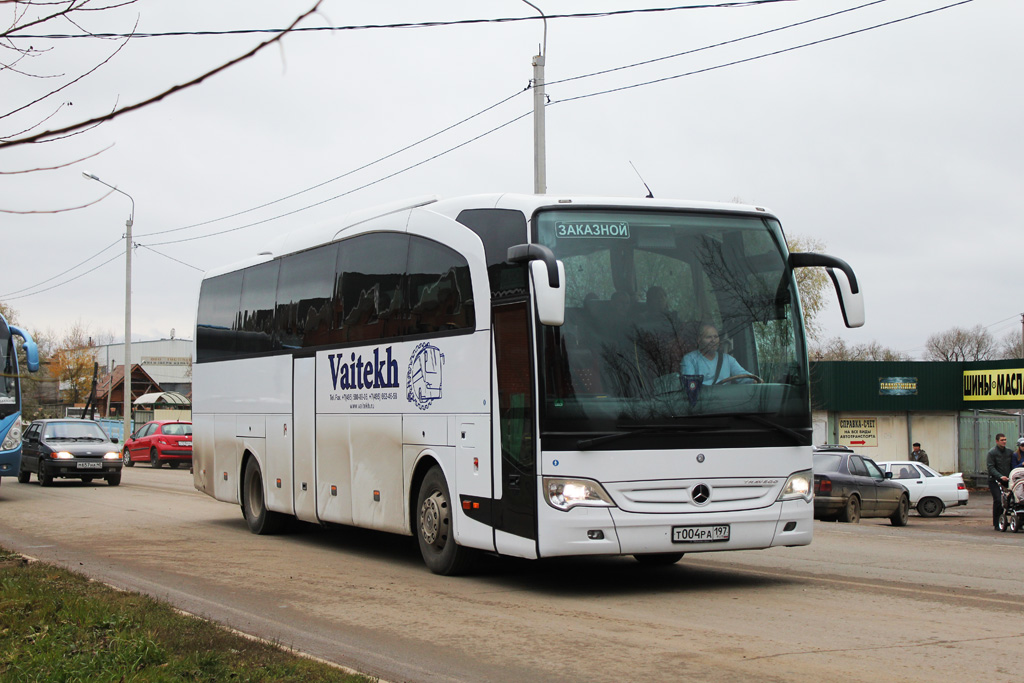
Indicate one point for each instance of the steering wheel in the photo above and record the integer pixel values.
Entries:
(746, 375)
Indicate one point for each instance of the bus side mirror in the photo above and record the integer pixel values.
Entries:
(31, 350)
(851, 299)
(548, 277)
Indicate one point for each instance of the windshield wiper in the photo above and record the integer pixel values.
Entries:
(587, 444)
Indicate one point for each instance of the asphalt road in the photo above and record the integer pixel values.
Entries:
(941, 599)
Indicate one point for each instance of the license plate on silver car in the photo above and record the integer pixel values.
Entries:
(700, 534)
(90, 465)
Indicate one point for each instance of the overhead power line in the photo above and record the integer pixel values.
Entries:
(401, 25)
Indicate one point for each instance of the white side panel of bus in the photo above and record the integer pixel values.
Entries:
(473, 477)
(278, 475)
(225, 460)
(333, 469)
(378, 488)
(304, 438)
(202, 453)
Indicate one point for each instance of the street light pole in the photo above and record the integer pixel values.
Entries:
(127, 311)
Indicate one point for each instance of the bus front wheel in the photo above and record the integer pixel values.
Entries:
(260, 520)
(434, 530)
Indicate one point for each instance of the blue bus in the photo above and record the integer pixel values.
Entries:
(10, 394)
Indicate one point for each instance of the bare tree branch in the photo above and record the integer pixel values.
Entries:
(54, 168)
(70, 208)
(45, 134)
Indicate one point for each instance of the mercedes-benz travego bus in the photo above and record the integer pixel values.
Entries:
(10, 394)
(523, 375)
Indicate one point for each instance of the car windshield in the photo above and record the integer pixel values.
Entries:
(74, 431)
(178, 429)
(654, 300)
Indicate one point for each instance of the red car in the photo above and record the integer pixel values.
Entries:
(158, 442)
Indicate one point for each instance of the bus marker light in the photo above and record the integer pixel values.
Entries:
(466, 505)
(225, 476)
(278, 483)
(334, 490)
(376, 496)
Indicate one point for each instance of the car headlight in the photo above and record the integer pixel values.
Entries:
(565, 494)
(111, 456)
(13, 437)
(800, 485)
(62, 455)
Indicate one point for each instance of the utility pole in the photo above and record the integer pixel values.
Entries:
(540, 181)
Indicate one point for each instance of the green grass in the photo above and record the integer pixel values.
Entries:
(58, 626)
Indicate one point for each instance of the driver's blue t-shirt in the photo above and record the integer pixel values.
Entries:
(695, 363)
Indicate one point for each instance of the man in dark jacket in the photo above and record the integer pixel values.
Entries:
(918, 454)
(998, 465)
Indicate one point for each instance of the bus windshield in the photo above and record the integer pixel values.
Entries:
(671, 318)
(8, 372)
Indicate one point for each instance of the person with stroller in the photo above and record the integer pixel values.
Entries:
(1017, 458)
(998, 465)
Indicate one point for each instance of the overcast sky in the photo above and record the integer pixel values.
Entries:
(899, 148)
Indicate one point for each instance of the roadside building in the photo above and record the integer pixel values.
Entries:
(168, 362)
(954, 409)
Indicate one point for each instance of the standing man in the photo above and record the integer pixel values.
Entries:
(918, 455)
(998, 465)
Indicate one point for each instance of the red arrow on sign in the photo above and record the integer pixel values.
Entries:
(857, 443)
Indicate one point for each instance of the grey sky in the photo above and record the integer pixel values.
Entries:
(897, 147)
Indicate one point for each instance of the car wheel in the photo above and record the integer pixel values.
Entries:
(902, 513)
(114, 479)
(929, 507)
(126, 458)
(23, 476)
(851, 513)
(433, 527)
(154, 458)
(658, 559)
(257, 516)
(45, 479)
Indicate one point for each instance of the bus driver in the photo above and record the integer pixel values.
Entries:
(707, 361)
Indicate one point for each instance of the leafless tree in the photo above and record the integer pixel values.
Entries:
(1011, 345)
(960, 344)
(813, 284)
(37, 110)
(836, 348)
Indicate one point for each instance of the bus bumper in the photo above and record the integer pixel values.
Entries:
(612, 531)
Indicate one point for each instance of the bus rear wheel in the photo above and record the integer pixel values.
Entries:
(434, 530)
(257, 516)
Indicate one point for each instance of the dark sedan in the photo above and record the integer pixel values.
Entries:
(848, 486)
(72, 449)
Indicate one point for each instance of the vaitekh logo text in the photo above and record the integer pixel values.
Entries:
(357, 373)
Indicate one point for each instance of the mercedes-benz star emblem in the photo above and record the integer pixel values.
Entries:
(700, 494)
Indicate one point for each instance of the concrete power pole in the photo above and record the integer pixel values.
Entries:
(540, 180)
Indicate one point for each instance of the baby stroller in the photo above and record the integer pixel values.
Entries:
(1013, 502)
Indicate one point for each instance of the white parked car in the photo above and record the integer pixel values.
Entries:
(930, 492)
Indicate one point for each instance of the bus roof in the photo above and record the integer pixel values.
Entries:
(313, 236)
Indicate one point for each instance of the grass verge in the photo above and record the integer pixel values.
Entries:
(56, 625)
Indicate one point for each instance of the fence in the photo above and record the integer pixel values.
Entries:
(978, 436)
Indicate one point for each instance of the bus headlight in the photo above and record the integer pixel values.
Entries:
(800, 485)
(13, 438)
(565, 494)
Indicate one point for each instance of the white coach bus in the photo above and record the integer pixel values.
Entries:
(519, 375)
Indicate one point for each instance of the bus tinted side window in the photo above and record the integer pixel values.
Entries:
(500, 229)
(374, 300)
(259, 296)
(439, 288)
(305, 298)
(216, 318)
